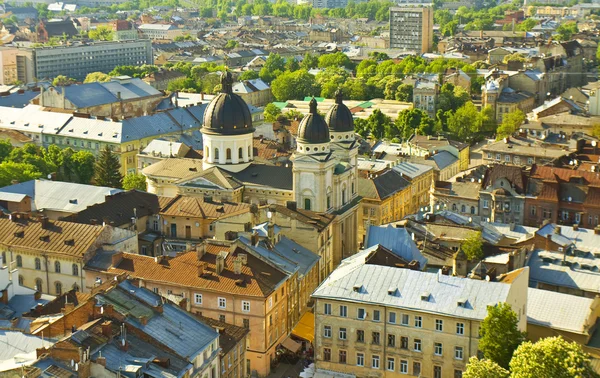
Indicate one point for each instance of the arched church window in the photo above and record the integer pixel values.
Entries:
(216, 154)
(463, 209)
(228, 153)
(240, 153)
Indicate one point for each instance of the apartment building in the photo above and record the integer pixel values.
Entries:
(74, 61)
(425, 96)
(421, 178)
(411, 27)
(374, 319)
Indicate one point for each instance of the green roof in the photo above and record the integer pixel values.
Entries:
(365, 105)
(318, 99)
(280, 105)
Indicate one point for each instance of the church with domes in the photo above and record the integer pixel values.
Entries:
(321, 177)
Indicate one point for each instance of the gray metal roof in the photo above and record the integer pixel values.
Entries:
(396, 240)
(58, 195)
(412, 170)
(560, 311)
(14, 343)
(580, 273)
(584, 239)
(444, 159)
(445, 291)
(96, 93)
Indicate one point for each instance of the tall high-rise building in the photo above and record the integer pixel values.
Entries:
(411, 27)
(75, 61)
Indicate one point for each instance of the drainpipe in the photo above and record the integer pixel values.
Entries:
(47, 274)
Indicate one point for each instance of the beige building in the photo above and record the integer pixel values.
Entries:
(16, 65)
(411, 27)
(255, 92)
(50, 255)
(233, 341)
(389, 321)
(221, 280)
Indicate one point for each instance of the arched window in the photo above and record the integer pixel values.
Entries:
(38, 264)
(58, 288)
(352, 187)
(21, 280)
(463, 209)
(344, 196)
(454, 207)
(75, 270)
(19, 261)
(307, 204)
(228, 153)
(240, 153)
(57, 266)
(249, 152)
(38, 285)
(472, 209)
(216, 154)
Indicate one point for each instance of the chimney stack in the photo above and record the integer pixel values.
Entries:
(220, 264)
(237, 265)
(254, 238)
(201, 267)
(44, 222)
(101, 361)
(200, 249)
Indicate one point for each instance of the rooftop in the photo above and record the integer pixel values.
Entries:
(577, 273)
(396, 240)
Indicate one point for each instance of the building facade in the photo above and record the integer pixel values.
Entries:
(411, 27)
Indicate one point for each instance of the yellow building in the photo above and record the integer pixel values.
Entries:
(388, 321)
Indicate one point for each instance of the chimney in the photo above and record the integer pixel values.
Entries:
(188, 246)
(237, 265)
(446, 270)
(202, 96)
(557, 230)
(101, 361)
(575, 227)
(4, 298)
(220, 264)
(119, 96)
(107, 329)
(254, 238)
(37, 295)
(116, 259)
(200, 249)
(597, 230)
(291, 205)
(44, 222)
(548, 241)
(201, 267)
(68, 307)
(271, 232)
(414, 265)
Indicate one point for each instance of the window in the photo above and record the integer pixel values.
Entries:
(486, 204)
(197, 298)
(327, 309)
(246, 306)
(57, 266)
(342, 356)
(403, 366)
(376, 315)
(577, 217)
(460, 328)
(404, 342)
(326, 354)
(463, 209)
(417, 345)
(240, 153)
(344, 311)
(458, 353)
(307, 204)
(457, 373)
(439, 325)
(342, 334)
(58, 288)
(418, 322)
(39, 285)
(375, 362)
(529, 161)
(454, 207)
(437, 349)
(565, 215)
(361, 314)
(360, 336)
(416, 368)
(391, 364)
(391, 340)
(392, 318)
(222, 302)
(329, 201)
(360, 359)
(532, 209)
(405, 320)
(75, 269)
(326, 331)
(498, 156)
(246, 323)
(216, 154)
(489, 155)
(21, 280)
(507, 158)
(228, 153)
(375, 338)
(20, 260)
(222, 318)
(249, 152)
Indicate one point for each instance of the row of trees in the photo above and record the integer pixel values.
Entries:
(32, 162)
(505, 353)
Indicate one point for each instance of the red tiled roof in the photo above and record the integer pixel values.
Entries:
(564, 174)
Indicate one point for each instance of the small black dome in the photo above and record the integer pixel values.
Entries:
(339, 118)
(312, 128)
(227, 113)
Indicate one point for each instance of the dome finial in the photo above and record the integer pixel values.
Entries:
(313, 106)
(339, 96)
(226, 82)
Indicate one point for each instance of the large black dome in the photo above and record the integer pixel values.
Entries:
(312, 128)
(227, 113)
(339, 118)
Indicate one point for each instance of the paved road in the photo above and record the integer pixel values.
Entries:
(287, 370)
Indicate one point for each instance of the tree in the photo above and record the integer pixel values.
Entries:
(510, 124)
(107, 170)
(231, 44)
(473, 246)
(551, 357)
(247, 75)
(294, 86)
(134, 181)
(83, 164)
(464, 122)
(62, 80)
(515, 57)
(338, 59)
(5, 148)
(272, 112)
(477, 368)
(565, 31)
(404, 93)
(499, 334)
(97, 76)
(596, 131)
(309, 62)
(101, 33)
(19, 172)
(292, 65)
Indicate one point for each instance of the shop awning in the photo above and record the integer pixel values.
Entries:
(291, 345)
(305, 329)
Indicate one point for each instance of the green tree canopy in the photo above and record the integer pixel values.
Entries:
(19, 172)
(96, 76)
(83, 165)
(5, 149)
(294, 86)
(62, 80)
(465, 122)
(551, 357)
(477, 368)
(338, 59)
(272, 112)
(108, 170)
(134, 181)
(248, 75)
(499, 334)
(510, 124)
(101, 33)
(472, 246)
